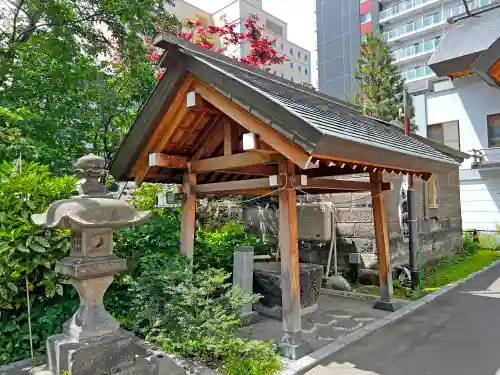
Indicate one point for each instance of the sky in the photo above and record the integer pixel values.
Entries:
(298, 14)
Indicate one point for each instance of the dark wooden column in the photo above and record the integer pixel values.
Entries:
(382, 240)
(188, 219)
(292, 346)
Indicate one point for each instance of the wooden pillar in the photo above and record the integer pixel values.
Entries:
(382, 240)
(188, 219)
(289, 249)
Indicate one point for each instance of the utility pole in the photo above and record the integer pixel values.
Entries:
(412, 208)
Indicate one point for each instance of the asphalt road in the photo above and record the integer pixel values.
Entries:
(456, 334)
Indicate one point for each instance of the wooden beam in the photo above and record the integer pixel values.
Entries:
(279, 142)
(194, 102)
(255, 170)
(233, 185)
(346, 185)
(248, 192)
(164, 131)
(168, 161)
(188, 218)
(289, 249)
(381, 237)
(231, 161)
(324, 171)
(228, 138)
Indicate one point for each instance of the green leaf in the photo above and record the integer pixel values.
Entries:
(12, 287)
(42, 241)
(22, 248)
(59, 289)
(37, 248)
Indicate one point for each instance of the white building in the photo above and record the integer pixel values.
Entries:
(297, 69)
(413, 30)
(464, 112)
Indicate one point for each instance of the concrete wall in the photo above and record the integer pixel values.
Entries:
(338, 45)
(468, 100)
(440, 229)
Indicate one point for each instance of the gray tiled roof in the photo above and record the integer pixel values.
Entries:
(318, 123)
(465, 41)
(327, 115)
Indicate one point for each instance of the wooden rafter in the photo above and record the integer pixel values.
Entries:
(231, 161)
(345, 185)
(164, 131)
(280, 143)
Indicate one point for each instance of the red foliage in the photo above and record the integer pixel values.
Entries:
(262, 49)
(262, 53)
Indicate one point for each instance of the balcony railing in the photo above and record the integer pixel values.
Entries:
(431, 20)
(423, 47)
(417, 73)
(486, 157)
(401, 8)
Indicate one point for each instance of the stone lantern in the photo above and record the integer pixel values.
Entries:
(92, 342)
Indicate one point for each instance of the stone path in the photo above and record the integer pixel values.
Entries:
(456, 334)
(336, 317)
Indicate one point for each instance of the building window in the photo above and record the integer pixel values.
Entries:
(291, 51)
(291, 79)
(305, 71)
(223, 17)
(366, 17)
(432, 194)
(291, 65)
(447, 133)
(305, 57)
(300, 68)
(298, 54)
(494, 130)
(282, 46)
(274, 27)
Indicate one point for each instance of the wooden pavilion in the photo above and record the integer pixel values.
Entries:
(220, 127)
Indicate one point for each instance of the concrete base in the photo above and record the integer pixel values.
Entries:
(387, 305)
(247, 319)
(276, 313)
(294, 352)
(118, 352)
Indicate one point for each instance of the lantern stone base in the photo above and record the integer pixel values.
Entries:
(116, 353)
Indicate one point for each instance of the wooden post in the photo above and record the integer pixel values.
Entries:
(382, 240)
(289, 248)
(188, 219)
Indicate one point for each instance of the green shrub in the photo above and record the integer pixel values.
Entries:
(468, 245)
(488, 242)
(29, 253)
(216, 248)
(193, 312)
(250, 357)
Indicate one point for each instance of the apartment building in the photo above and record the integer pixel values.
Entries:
(412, 29)
(298, 66)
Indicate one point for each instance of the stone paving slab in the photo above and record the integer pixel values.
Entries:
(336, 317)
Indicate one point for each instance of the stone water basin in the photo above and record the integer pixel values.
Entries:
(267, 282)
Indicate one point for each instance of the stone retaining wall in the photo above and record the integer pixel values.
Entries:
(440, 228)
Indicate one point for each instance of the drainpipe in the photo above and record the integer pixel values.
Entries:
(412, 209)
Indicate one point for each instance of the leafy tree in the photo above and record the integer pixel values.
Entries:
(73, 74)
(380, 81)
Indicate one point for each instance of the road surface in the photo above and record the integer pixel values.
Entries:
(456, 334)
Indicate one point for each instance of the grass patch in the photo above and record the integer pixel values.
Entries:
(449, 269)
(457, 266)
